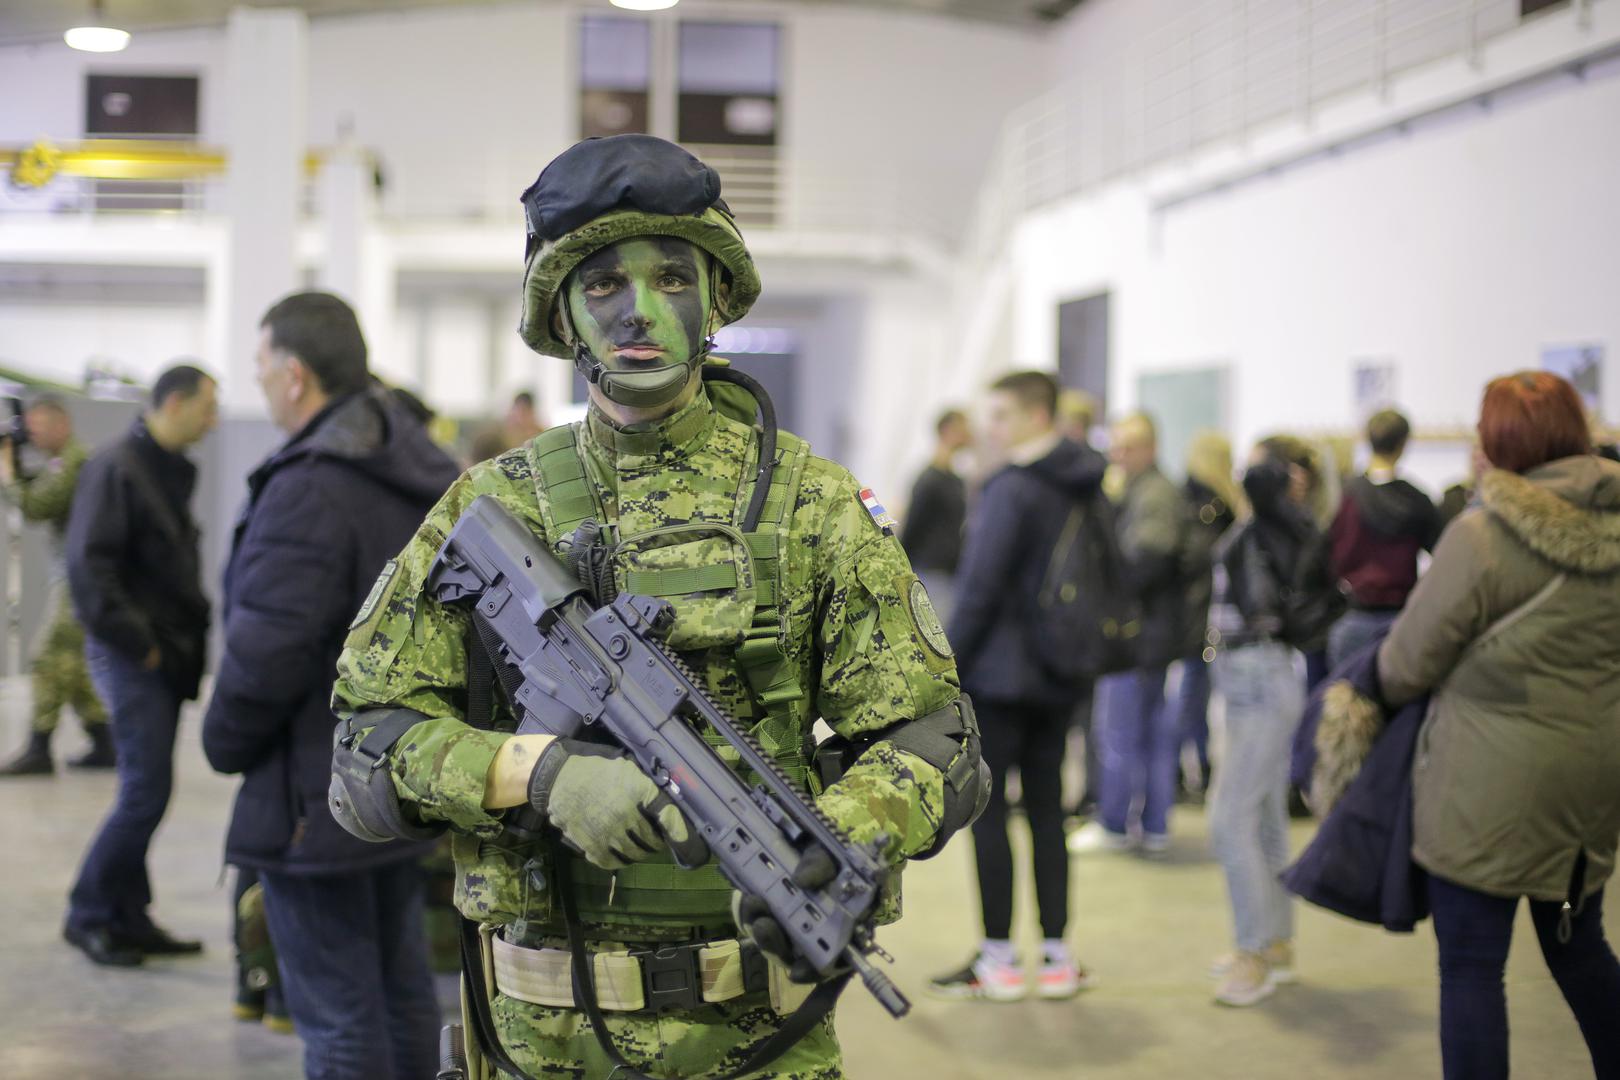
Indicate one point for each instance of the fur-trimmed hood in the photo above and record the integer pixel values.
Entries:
(1567, 511)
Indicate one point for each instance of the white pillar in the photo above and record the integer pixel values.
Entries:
(358, 263)
(265, 90)
(345, 208)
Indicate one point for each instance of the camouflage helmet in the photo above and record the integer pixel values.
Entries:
(601, 191)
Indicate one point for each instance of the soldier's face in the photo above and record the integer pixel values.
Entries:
(642, 303)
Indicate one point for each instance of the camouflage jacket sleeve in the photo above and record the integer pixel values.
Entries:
(49, 495)
(406, 651)
(883, 660)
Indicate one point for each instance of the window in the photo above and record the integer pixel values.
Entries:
(728, 79)
(615, 75)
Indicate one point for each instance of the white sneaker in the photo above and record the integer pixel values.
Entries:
(1248, 982)
(1088, 838)
(1155, 845)
(1279, 956)
(1060, 980)
(982, 980)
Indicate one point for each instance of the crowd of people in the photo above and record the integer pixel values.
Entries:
(1494, 605)
(1061, 602)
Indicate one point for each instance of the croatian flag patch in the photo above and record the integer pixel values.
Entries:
(884, 519)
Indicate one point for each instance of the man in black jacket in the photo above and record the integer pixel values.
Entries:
(324, 513)
(1024, 712)
(134, 574)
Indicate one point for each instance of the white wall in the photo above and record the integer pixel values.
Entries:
(1459, 249)
(902, 107)
(462, 105)
(55, 339)
(42, 86)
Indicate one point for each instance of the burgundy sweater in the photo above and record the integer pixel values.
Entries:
(1376, 538)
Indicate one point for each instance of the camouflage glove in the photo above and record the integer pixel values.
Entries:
(756, 923)
(607, 809)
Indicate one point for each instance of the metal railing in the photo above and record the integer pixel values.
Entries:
(766, 187)
(1213, 74)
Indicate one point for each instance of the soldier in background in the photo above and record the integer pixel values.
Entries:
(59, 674)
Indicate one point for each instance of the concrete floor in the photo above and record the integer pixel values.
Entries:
(1366, 1006)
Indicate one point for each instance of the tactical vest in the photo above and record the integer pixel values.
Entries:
(716, 577)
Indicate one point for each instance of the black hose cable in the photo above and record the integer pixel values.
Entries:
(767, 443)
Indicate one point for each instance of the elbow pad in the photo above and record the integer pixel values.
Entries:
(362, 797)
(948, 739)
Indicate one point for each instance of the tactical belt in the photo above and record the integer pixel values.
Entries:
(681, 977)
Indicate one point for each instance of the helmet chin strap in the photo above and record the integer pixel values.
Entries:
(638, 389)
(646, 389)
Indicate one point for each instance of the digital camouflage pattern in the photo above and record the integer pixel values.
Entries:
(59, 674)
(847, 629)
(711, 1041)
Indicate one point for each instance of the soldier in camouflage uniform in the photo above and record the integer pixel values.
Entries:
(633, 263)
(60, 676)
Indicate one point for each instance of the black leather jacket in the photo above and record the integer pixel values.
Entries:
(1272, 577)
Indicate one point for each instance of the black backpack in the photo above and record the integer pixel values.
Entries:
(1085, 619)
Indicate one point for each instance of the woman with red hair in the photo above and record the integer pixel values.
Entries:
(1515, 632)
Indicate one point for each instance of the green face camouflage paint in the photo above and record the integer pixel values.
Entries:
(642, 303)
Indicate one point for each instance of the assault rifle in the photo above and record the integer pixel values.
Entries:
(573, 669)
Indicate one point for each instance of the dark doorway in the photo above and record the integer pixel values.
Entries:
(1083, 347)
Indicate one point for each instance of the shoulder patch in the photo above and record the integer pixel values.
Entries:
(926, 620)
(884, 519)
(378, 588)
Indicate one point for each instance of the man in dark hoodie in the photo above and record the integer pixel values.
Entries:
(1024, 712)
(1382, 525)
(324, 512)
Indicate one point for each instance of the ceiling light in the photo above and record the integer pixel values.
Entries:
(645, 5)
(98, 37)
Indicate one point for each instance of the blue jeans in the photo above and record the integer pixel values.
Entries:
(113, 889)
(1248, 818)
(1474, 931)
(1192, 719)
(1354, 630)
(1137, 747)
(352, 953)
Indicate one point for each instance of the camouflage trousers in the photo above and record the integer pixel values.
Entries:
(60, 675)
(708, 1042)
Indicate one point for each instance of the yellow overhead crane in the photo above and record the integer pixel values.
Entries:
(120, 159)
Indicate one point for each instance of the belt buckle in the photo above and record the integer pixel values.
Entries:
(672, 977)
